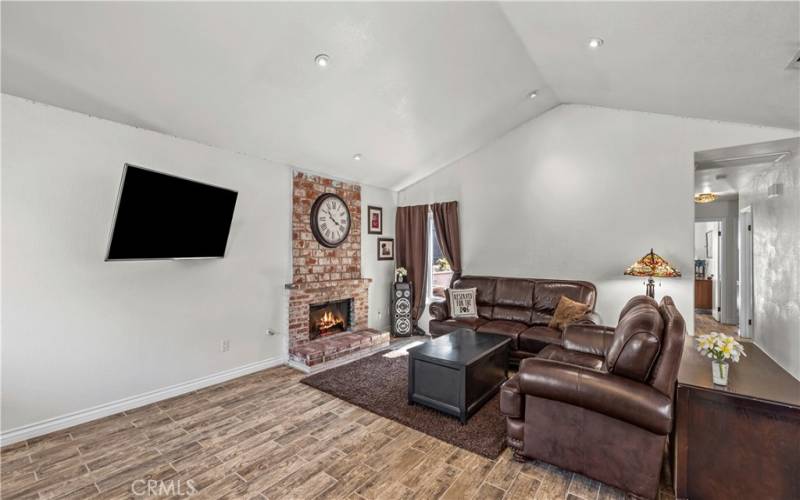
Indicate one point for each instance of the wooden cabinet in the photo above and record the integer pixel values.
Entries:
(738, 441)
(702, 294)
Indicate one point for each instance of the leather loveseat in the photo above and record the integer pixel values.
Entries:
(519, 308)
(602, 404)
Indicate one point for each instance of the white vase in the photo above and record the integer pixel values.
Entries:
(719, 372)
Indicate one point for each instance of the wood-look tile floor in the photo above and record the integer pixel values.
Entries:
(268, 436)
(705, 323)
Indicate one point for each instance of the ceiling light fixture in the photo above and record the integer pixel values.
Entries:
(595, 42)
(357, 157)
(533, 94)
(705, 197)
(322, 60)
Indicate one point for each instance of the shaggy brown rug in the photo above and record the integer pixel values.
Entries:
(378, 384)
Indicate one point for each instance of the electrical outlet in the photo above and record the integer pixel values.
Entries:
(380, 314)
(225, 346)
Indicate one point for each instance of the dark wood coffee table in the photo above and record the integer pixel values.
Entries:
(457, 373)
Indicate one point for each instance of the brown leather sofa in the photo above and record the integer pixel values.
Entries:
(519, 308)
(601, 404)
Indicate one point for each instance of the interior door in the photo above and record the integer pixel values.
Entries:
(716, 281)
(746, 317)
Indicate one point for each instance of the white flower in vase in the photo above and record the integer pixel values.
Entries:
(722, 349)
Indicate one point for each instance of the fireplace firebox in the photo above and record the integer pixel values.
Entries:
(329, 318)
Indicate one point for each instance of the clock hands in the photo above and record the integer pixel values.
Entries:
(332, 219)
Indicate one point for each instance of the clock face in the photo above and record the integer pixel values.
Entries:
(330, 220)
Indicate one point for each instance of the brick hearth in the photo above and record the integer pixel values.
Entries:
(337, 348)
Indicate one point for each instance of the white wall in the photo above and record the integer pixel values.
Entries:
(381, 271)
(776, 254)
(80, 333)
(728, 212)
(581, 192)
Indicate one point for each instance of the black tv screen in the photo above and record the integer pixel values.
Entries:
(161, 216)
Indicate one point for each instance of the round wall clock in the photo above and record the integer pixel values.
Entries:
(330, 220)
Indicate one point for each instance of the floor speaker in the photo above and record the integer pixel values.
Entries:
(402, 299)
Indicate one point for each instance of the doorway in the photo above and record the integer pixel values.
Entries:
(755, 187)
(708, 263)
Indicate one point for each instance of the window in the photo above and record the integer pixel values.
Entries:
(439, 272)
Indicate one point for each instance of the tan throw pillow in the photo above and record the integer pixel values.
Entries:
(462, 303)
(567, 312)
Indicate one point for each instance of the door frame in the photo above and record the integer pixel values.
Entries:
(747, 320)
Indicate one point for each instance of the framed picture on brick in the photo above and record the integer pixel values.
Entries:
(385, 248)
(375, 220)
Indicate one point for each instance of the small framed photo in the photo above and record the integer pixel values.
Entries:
(385, 248)
(375, 220)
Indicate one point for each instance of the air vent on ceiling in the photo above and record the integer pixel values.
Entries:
(795, 62)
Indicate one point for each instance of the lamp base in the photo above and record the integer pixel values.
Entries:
(651, 288)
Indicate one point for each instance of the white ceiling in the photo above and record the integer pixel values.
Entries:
(716, 60)
(411, 86)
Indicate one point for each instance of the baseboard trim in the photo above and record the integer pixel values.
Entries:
(49, 425)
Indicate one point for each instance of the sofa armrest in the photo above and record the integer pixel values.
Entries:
(512, 402)
(611, 395)
(588, 338)
(439, 310)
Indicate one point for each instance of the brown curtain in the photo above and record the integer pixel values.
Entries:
(411, 239)
(445, 219)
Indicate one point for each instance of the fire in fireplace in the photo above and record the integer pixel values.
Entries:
(329, 318)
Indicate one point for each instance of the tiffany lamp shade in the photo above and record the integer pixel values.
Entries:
(652, 266)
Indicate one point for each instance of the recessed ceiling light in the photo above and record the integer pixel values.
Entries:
(595, 42)
(533, 94)
(357, 157)
(322, 60)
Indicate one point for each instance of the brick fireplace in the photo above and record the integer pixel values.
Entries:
(322, 275)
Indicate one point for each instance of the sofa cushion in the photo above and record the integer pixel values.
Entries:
(443, 327)
(637, 341)
(556, 353)
(539, 318)
(486, 292)
(513, 300)
(547, 293)
(536, 338)
(510, 329)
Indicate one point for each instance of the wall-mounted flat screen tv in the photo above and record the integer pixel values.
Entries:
(160, 216)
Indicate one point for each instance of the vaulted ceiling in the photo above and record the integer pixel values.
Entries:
(410, 86)
(716, 60)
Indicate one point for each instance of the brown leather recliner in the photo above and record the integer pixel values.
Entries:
(518, 308)
(601, 405)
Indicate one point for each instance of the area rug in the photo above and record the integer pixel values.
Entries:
(378, 384)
